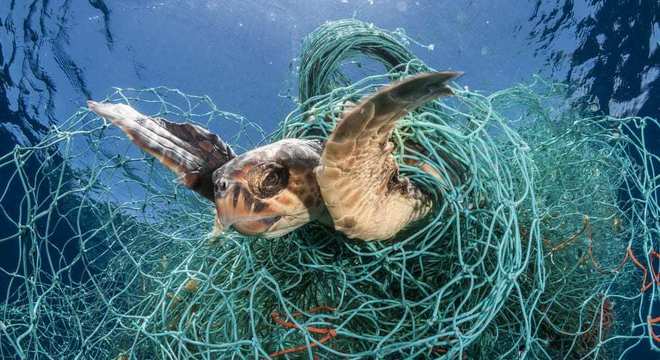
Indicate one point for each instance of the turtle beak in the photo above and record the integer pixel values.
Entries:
(236, 207)
(228, 205)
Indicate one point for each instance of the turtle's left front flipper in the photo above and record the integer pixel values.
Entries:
(190, 151)
(358, 176)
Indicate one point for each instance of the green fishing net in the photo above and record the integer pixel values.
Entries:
(542, 244)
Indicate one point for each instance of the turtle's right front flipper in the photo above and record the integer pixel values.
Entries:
(357, 174)
(191, 151)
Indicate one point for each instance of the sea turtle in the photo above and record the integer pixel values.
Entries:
(351, 182)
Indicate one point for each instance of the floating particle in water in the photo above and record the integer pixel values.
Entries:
(617, 224)
(600, 39)
(402, 6)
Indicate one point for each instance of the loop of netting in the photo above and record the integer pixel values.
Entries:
(341, 42)
(532, 254)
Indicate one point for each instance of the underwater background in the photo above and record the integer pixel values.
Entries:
(57, 54)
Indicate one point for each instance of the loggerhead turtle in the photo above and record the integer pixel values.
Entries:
(351, 182)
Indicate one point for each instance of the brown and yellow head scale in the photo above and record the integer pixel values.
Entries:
(352, 183)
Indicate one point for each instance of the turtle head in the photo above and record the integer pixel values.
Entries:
(269, 191)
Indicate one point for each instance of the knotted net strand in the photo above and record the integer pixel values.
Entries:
(541, 246)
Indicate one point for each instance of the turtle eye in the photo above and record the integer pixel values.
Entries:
(271, 179)
(274, 178)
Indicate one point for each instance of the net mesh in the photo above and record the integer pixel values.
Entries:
(547, 249)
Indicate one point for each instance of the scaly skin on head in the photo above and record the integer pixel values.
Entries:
(271, 190)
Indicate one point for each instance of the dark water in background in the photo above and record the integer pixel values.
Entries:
(56, 54)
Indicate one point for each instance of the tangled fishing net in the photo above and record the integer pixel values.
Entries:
(546, 249)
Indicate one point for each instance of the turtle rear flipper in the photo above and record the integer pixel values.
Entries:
(358, 176)
(190, 151)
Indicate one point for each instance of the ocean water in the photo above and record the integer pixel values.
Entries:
(56, 54)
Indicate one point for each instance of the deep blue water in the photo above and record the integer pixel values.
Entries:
(56, 54)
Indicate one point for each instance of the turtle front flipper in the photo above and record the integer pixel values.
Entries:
(358, 176)
(190, 151)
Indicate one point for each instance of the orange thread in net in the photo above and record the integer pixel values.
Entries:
(655, 277)
(647, 273)
(328, 334)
